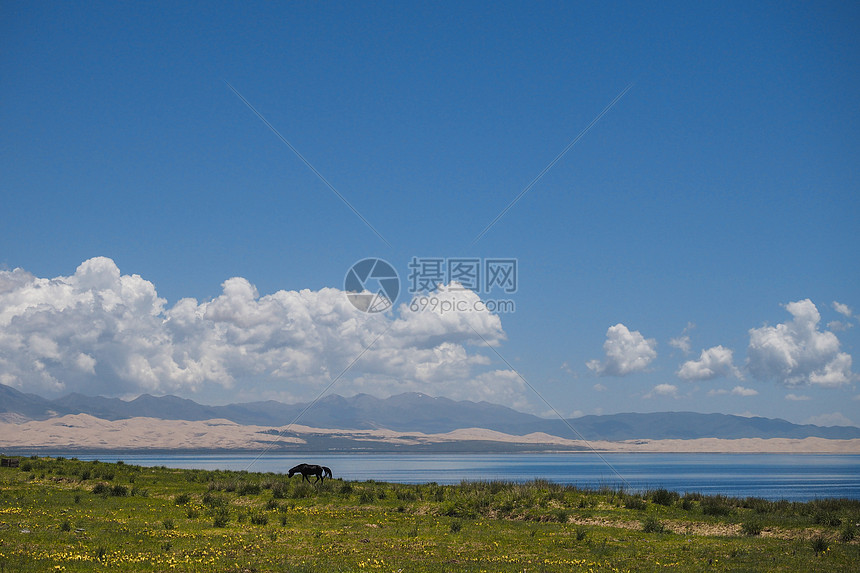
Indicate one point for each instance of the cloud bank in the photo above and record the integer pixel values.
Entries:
(712, 363)
(626, 352)
(797, 353)
(101, 332)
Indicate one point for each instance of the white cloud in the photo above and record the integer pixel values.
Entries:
(741, 391)
(797, 398)
(626, 352)
(797, 352)
(600, 387)
(662, 390)
(101, 332)
(712, 363)
(842, 309)
(736, 391)
(834, 419)
(682, 343)
(839, 326)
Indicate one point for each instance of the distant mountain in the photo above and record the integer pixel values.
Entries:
(414, 412)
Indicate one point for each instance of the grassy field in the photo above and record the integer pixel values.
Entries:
(71, 515)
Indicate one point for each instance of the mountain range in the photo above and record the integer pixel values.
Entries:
(414, 412)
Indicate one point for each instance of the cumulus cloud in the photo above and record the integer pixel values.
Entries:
(714, 362)
(682, 343)
(626, 352)
(842, 309)
(736, 391)
(797, 353)
(662, 390)
(839, 326)
(797, 398)
(99, 331)
(741, 391)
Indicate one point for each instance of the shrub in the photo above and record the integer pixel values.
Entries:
(751, 527)
(715, 506)
(581, 533)
(65, 526)
(279, 490)
(652, 525)
(168, 523)
(827, 518)
(456, 526)
(848, 532)
(302, 490)
(249, 489)
(664, 497)
(259, 518)
(819, 544)
(101, 489)
(561, 515)
(633, 502)
(221, 517)
(119, 491)
(182, 499)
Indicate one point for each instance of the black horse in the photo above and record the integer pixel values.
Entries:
(306, 470)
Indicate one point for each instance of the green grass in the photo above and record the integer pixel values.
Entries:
(70, 515)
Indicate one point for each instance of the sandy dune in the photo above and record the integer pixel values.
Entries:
(86, 432)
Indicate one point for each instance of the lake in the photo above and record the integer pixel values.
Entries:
(770, 476)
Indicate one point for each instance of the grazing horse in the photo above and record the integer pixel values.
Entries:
(321, 472)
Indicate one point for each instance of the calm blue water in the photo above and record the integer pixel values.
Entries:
(769, 476)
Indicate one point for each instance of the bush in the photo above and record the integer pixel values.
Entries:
(715, 506)
(827, 518)
(221, 517)
(249, 489)
(168, 523)
(65, 526)
(101, 489)
(581, 533)
(637, 503)
(751, 527)
(664, 497)
(652, 525)
(456, 526)
(119, 491)
(259, 519)
(279, 490)
(848, 532)
(820, 545)
(182, 499)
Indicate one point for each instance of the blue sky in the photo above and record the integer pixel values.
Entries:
(694, 250)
